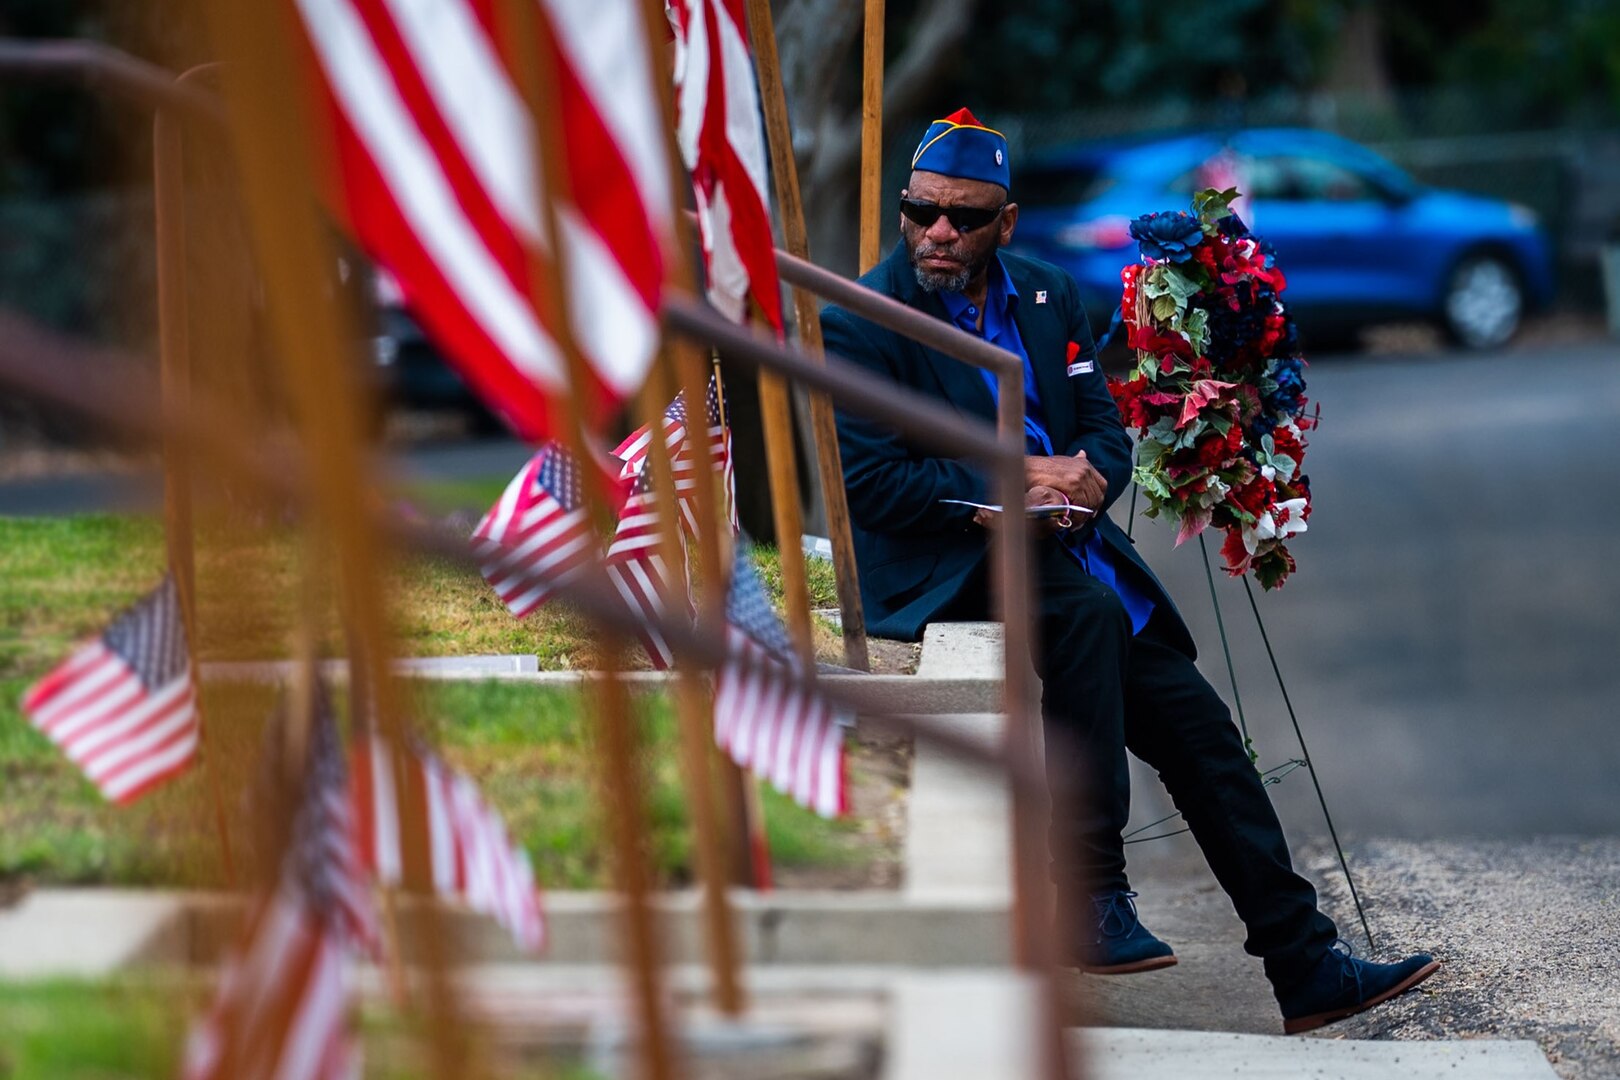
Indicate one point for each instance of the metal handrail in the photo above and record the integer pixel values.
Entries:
(893, 315)
(102, 67)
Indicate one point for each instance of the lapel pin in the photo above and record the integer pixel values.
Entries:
(1040, 296)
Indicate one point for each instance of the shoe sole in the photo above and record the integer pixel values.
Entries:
(1311, 1023)
(1152, 963)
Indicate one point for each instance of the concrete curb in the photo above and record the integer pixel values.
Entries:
(98, 931)
(940, 694)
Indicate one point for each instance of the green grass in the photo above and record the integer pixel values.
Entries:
(530, 750)
(71, 1030)
(123, 1029)
(63, 579)
(818, 577)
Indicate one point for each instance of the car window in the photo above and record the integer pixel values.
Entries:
(1318, 180)
(1262, 177)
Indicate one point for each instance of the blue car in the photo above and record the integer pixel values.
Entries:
(1359, 240)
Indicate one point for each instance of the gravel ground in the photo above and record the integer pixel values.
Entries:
(1526, 931)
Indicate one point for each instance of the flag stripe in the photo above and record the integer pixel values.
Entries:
(437, 168)
(470, 853)
(783, 733)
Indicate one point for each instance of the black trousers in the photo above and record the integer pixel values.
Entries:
(1107, 691)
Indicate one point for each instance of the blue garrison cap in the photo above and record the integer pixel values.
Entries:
(960, 146)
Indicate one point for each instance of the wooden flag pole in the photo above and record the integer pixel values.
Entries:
(871, 133)
(748, 810)
(693, 709)
(273, 147)
(174, 363)
(776, 418)
(749, 861)
(532, 48)
(790, 205)
(681, 365)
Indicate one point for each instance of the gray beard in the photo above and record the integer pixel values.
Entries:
(936, 281)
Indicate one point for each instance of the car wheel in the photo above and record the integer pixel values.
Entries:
(1484, 302)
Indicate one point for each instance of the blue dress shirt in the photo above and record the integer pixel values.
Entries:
(1000, 304)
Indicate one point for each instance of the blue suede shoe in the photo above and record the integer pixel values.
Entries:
(1115, 942)
(1341, 985)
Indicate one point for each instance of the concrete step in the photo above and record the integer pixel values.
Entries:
(1143, 1054)
(972, 1025)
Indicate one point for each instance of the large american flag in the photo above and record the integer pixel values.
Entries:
(437, 179)
(123, 707)
(470, 855)
(634, 449)
(793, 738)
(722, 139)
(538, 534)
(282, 1007)
(635, 565)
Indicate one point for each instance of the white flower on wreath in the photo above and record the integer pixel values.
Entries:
(1285, 519)
(1215, 493)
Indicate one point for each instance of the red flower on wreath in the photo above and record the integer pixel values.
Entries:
(1215, 450)
(1254, 496)
(1233, 551)
(1285, 442)
(1151, 339)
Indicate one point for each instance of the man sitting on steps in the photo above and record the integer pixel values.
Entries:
(1115, 659)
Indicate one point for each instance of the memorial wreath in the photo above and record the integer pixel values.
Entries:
(1217, 393)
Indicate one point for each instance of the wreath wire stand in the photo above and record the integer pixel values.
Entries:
(1274, 775)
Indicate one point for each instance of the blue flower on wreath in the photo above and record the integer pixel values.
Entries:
(1290, 378)
(1170, 235)
(1232, 225)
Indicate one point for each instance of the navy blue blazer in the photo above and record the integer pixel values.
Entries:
(915, 554)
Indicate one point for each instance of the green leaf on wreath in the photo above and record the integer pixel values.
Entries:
(1195, 324)
(1164, 307)
(1179, 285)
(1271, 568)
(1162, 430)
(1151, 481)
(1285, 466)
(1211, 205)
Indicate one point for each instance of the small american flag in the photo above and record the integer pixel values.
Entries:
(469, 852)
(633, 452)
(637, 570)
(792, 738)
(538, 534)
(634, 449)
(123, 707)
(282, 1007)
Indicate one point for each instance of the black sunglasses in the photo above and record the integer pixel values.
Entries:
(962, 218)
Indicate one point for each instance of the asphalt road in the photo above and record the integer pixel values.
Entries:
(1452, 638)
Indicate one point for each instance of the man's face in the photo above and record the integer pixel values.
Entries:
(943, 256)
